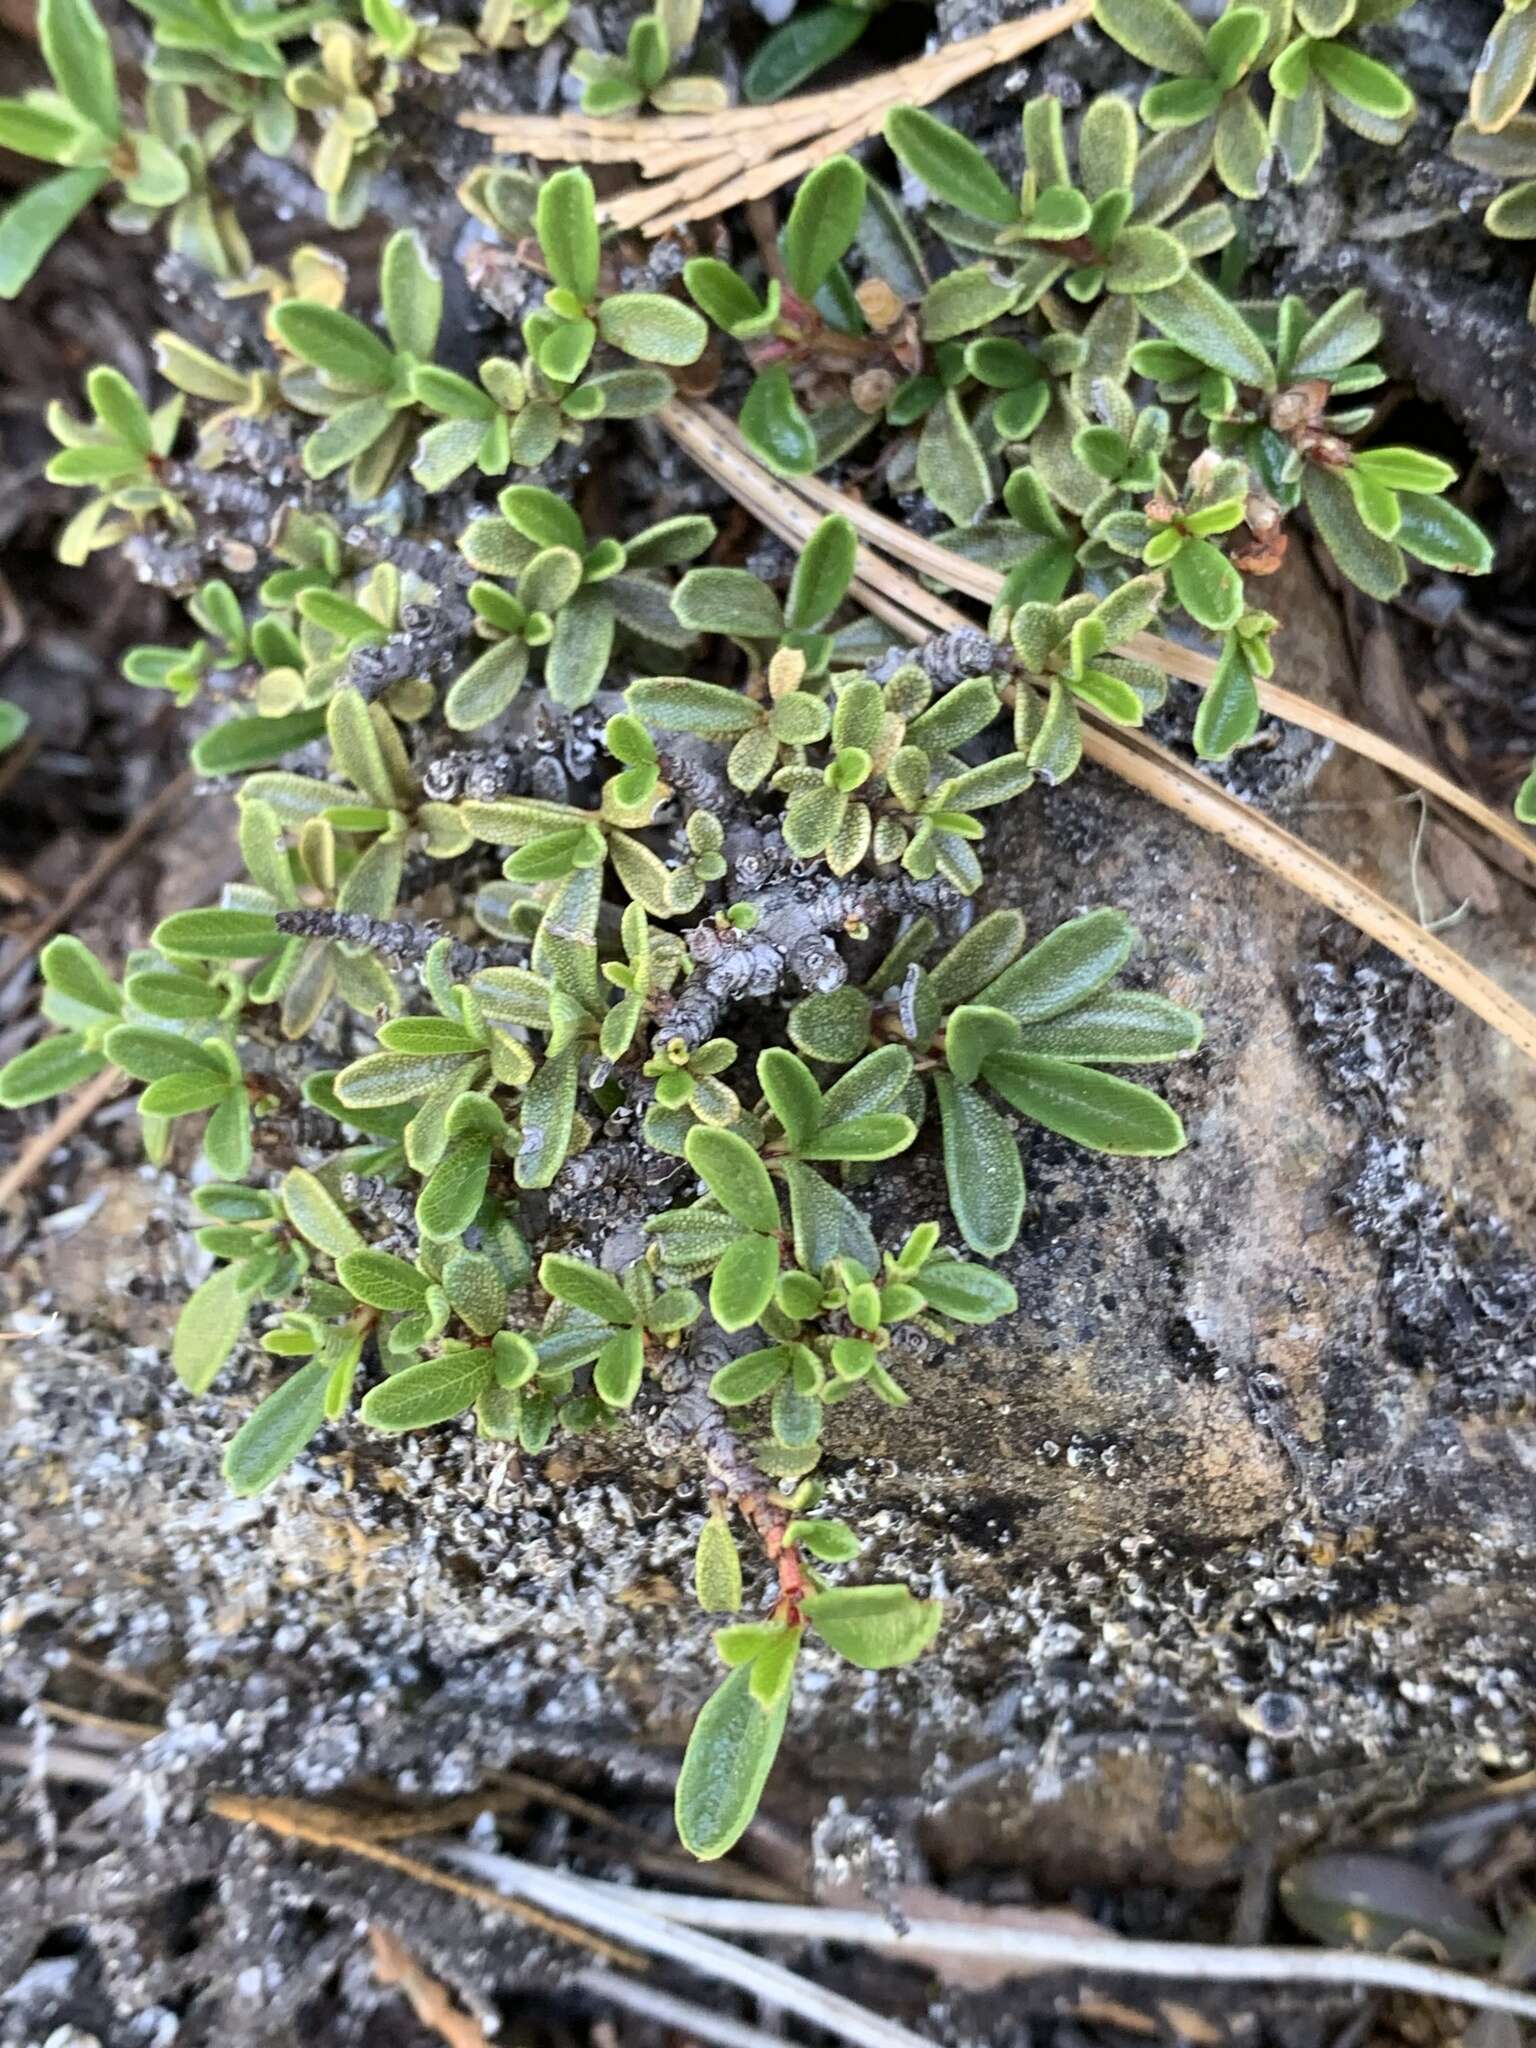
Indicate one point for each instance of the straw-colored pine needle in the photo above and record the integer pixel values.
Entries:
(916, 612)
(976, 580)
(697, 165)
(325, 1827)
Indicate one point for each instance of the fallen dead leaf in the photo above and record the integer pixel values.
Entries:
(1190, 2025)
(1463, 873)
(397, 1969)
(1110, 2012)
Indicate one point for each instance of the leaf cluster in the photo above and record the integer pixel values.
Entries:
(647, 73)
(1303, 50)
(571, 598)
(991, 1021)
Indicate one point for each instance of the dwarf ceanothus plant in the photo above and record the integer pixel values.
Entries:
(618, 904)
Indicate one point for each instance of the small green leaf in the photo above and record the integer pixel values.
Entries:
(992, 944)
(208, 1329)
(1195, 315)
(564, 352)
(1094, 1109)
(31, 225)
(748, 1378)
(217, 934)
(963, 1292)
(582, 1285)
(1106, 146)
(542, 518)
(774, 427)
(1067, 965)
(38, 132)
(382, 1281)
(652, 328)
(383, 1078)
(1207, 585)
(1337, 338)
(451, 1198)
(981, 1167)
(1405, 469)
(811, 39)
(276, 1431)
(184, 1094)
(356, 748)
(743, 1641)
(951, 468)
(578, 655)
(1117, 1025)
(965, 300)
(336, 343)
(729, 1755)
(824, 1222)
(953, 169)
(227, 1136)
(446, 392)
(773, 1668)
(823, 574)
(796, 1420)
(1354, 76)
(486, 687)
(1159, 32)
(717, 1568)
(73, 972)
(620, 1363)
(550, 580)
(832, 1027)
(743, 1281)
(723, 295)
(425, 1034)
(240, 744)
(792, 1093)
(78, 53)
(535, 1421)
(833, 1542)
(566, 224)
(726, 601)
(1180, 103)
(1242, 150)
(150, 1055)
(434, 1391)
(875, 1627)
(515, 1360)
(735, 1176)
(1145, 259)
(860, 1137)
(232, 1204)
(823, 222)
(1374, 564)
(876, 1083)
(1229, 711)
(972, 1033)
(317, 1216)
(1061, 213)
(1505, 71)
(119, 408)
(411, 293)
(1442, 535)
